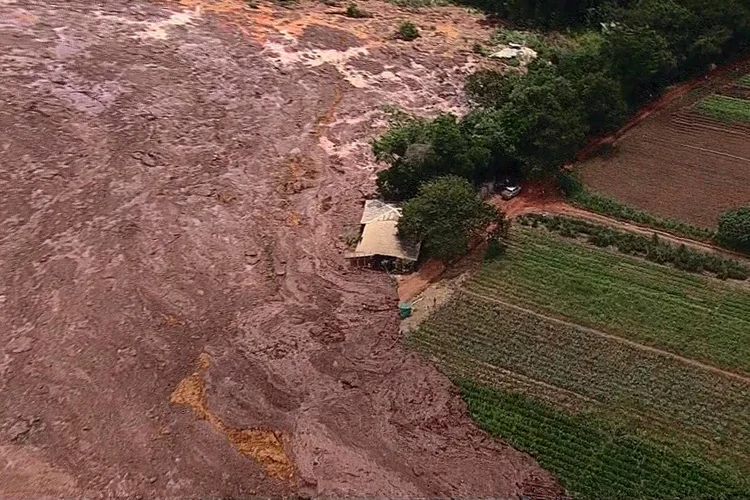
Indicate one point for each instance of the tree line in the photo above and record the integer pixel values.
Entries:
(617, 55)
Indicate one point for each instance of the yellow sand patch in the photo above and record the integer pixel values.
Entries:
(263, 445)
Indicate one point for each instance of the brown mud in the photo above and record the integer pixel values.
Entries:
(175, 179)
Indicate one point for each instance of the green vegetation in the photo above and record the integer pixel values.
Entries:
(744, 81)
(615, 56)
(731, 109)
(591, 458)
(354, 11)
(692, 315)
(611, 418)
(653, 249)
(734, 229)
(420, 150)
(580, 197)
(408, 31)
(445, 215)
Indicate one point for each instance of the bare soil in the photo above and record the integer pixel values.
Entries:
(677, 163)
(178, 319)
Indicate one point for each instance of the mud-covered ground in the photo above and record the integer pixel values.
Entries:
(177, 316)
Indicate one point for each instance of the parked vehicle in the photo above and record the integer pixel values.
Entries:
(511, 191)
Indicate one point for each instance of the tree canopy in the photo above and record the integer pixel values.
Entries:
(734, 229)
(446, 214)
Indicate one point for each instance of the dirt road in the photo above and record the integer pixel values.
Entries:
(178, 319)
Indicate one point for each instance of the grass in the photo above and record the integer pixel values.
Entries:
(654, 248)
(721, 107)
(610, 418)
(591, 459)
(607, 206)
(744, 81)
(692, 315)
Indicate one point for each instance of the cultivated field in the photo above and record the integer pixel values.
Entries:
(609, 369)
(690, 161)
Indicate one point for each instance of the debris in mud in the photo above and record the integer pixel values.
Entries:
(263, 445)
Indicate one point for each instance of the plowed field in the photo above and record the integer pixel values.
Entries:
(680, 163)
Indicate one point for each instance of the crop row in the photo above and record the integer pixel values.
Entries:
(744, 81)
(688, 314)
(702, 402)
(721, 107)
(592, 459)
(653, 249)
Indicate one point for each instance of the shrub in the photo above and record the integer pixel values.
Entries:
(355, 12)
(408, 31)
(734, 229)
(652, 249)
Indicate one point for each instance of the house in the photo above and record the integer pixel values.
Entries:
(380, 243)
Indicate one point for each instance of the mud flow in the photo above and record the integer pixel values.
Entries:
(178, 318)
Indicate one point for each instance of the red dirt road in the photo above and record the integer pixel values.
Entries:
(178, 317)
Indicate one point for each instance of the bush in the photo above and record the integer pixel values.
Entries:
(355, 12)
(607, 206)
(734, 229)
(652, 249)
(408, 31)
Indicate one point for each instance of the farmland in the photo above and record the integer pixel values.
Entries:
(552, 347)
(684, 162)
(726, 108)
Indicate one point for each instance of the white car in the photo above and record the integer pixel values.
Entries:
(509, 192)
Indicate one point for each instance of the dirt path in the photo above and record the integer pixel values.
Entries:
(179, 318)
(609, 336)
(555, 206)
(535, 202)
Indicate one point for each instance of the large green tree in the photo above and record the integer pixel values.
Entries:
(422, 150)
(445, 215)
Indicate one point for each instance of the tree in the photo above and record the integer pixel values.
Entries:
(606, 108)
(547, 119)
(734, 229)
(422, 150)
(445, 216)
(640, 58)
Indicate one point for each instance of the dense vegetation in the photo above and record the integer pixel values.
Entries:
(445, 215)
(611, 418)
(689, 314)
(734, 229)
(615, 56)
(653, 249)
(726, 108)
(592, 458)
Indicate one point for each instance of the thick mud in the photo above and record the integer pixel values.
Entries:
(178, 319)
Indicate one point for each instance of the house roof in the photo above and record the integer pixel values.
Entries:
(381, 238)
(377, 210)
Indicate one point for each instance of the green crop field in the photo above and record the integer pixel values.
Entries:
(592, 459)
(744, 81)
(688, 314)
(609, 415)
(721, 107)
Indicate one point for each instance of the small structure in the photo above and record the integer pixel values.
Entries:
(380, 243)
